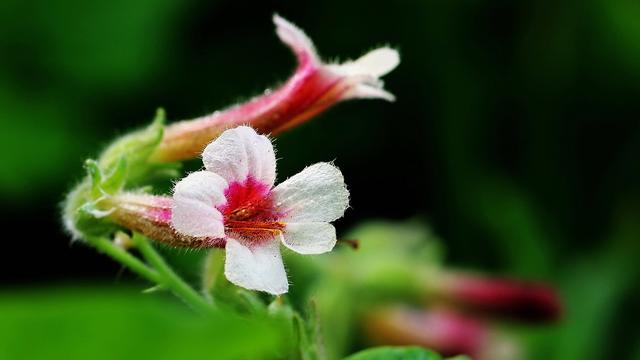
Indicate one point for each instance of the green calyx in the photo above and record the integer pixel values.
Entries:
(122, 165)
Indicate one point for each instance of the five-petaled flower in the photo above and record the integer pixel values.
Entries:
(234, 199)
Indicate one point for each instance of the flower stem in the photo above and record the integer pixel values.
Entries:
(117, 253)
(169, 278)
(213, 266)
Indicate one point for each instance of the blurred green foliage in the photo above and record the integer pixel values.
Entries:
(392, 264)
(516, 131)
(395, 263)
(107, 323)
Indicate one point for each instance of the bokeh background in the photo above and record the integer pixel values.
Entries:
(516, 133)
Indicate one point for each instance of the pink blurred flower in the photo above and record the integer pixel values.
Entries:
(444, 331)
(314, 87)
(521, 300)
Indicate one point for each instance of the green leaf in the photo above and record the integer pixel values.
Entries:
(102, 324)
(395, 353)
(115, 177)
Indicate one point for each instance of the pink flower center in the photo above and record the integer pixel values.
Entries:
(249, 214)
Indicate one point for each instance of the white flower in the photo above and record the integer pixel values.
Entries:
(234, 199)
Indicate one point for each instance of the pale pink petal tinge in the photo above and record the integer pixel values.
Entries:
(195, 202)
(239, 154)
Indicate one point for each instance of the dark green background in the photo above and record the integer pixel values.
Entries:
(516, 132)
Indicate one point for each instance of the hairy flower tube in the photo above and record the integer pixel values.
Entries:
(151, 216)
(314, 87)
(235, 199)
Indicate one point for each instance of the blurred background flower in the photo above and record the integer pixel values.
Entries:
(515, 135)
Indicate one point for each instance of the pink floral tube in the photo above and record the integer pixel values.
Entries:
(151, 216)
(314, 87)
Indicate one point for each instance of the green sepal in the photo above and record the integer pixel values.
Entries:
(135, 148)
(115, 177)
(91, 209)
(124, 164)
(107, 181)
(90, 219)
(95, 176)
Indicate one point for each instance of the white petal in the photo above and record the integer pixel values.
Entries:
(368, 91)
(257, 268)
(195, 199)
(309, 238)
(239, 153)
(316, 194)
(375, 63)
(363, 74)
(296, 39)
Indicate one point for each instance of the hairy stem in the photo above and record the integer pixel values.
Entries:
(117, 253)
(169, 278)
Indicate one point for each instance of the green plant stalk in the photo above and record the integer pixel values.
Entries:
(307, 348)
(213, 266)
(117, 253)
(169, 278)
